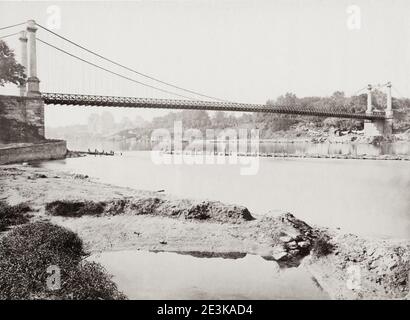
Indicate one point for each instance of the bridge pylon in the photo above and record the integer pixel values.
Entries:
(33, 83)
(389, 109)
(32, 104)
(369, 109)
(377, 127)
(23, 43)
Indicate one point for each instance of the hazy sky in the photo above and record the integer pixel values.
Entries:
(247, 51)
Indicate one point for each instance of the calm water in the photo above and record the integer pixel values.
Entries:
(148, 275)
(306, 148)
(354, 149)
(365, 197)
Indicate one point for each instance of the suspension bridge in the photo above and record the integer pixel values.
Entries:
(376, 122)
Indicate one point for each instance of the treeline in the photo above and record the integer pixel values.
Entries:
(271, 124)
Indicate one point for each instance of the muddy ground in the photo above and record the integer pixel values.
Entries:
(109, 217)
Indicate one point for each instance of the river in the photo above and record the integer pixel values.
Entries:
(365, 197)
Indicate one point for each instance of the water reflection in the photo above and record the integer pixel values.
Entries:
(148, 275)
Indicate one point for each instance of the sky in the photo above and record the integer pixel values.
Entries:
(245, 51)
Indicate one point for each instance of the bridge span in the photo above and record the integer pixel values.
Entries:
(31, 101)
(174, 104)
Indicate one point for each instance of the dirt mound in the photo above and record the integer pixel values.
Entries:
(206, 210)
(373, 268)
(68, 208)
(186, 209)
(292, 239)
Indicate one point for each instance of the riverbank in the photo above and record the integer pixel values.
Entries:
(24, 152)
(110, 218)
(313, 134)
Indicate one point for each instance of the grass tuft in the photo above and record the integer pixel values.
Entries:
(13, 215)
(28, 251)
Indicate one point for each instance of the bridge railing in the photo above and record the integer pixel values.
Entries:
(133, 102)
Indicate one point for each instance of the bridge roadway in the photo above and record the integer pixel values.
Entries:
(131, 102)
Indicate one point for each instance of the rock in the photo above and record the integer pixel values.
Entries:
(279, 252)
(374, 264)
(292, 233)
(80, 176)
(285, 239)
(292, 245)
(392, 265)
(279, 255)
(163, 242)
(294, 252)
(304, 244)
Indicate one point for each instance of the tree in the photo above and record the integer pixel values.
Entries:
(276, 122)
(10, 70)
(219, 120)
(289, 99)
(379, 99)
(198, 119)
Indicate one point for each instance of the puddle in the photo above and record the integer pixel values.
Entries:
(166, 275)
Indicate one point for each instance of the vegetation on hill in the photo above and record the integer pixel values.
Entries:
(269, 124)
(132, 135)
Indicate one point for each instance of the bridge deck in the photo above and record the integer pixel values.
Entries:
(130, 102)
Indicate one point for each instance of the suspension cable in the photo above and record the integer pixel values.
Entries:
(14, 25)
(9, 35)
(129, 69)
(379, 86)
(399, 95)
(354, 94)
(112, 72)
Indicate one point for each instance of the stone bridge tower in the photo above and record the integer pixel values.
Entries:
(32, 102)
(379, 127)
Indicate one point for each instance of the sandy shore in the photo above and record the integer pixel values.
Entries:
(141, 220)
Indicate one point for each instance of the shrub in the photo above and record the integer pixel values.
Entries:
(74, 208)
(26, 253)
(90, 281)
(13, 215)
(322, 246)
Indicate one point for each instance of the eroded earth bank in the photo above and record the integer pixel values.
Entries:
(108, 217)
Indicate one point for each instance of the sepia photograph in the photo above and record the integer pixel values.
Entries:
(202, 150)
